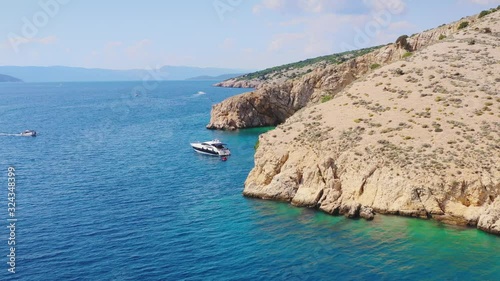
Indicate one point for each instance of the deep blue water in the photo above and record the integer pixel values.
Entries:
(111, 190)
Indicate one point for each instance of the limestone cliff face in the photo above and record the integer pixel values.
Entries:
(268, 106)
(281, 100)
(235, 83)
(419, 137)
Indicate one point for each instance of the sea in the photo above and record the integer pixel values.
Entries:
(110, 189)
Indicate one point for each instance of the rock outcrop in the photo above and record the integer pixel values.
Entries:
(418, 137)
(282, 100)
(236, 83)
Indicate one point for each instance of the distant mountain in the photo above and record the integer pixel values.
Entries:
(214, 78)
(78, 74)
(8, 78)
(184, 72)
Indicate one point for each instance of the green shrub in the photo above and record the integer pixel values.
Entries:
(326, 98)
(407, 54)
(484, 13)
(330, 59)
(463, 25)
(442, 36)
(358, 120)
(375, 66)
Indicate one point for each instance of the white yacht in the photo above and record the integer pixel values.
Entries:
(29, 133)
(214, 147)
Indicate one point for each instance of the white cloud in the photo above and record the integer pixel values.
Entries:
(18, 41)
(294, 22)
(394, 7)
(274, 4)
(299, 6)
(285, 40)
(228, 44)
(139, 48)
(113, 44)
(329, 6)
(401, 25)
(248, 51)
(324, 27)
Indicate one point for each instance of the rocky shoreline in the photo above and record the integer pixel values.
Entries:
(411, 129)
(272, 103)
(235, 83)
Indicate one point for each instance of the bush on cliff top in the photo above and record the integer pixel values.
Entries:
(330, 59)
(484, 13)
(463, 25)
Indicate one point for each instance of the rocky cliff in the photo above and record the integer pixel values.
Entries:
(236, 83)
(416, 137)
(282, 99)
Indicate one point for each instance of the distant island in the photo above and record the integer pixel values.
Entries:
(8, 78)
(80, 74)
(214, 78)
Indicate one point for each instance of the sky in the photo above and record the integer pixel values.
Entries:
(243, 34)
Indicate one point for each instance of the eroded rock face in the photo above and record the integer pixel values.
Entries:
(424, 143)
(272, 103)
(489, 220)
(235, 83)
(268, 106)
(342, 185)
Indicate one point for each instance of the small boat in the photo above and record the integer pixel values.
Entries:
(214, 148)
(29, 133)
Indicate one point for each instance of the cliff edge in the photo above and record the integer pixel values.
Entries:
(281, 99)
(415, 137)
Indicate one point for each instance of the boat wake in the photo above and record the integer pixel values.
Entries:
(10, 135)
(200, 93)
(27, 133)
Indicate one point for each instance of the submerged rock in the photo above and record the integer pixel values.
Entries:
(367, 213)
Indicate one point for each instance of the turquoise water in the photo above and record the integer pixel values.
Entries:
(111, 190)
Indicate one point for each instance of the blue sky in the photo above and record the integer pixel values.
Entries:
(246, 34)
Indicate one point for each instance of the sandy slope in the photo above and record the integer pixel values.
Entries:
(418, 137)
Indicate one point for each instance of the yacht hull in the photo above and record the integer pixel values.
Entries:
(203, 151)
(203, 148)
